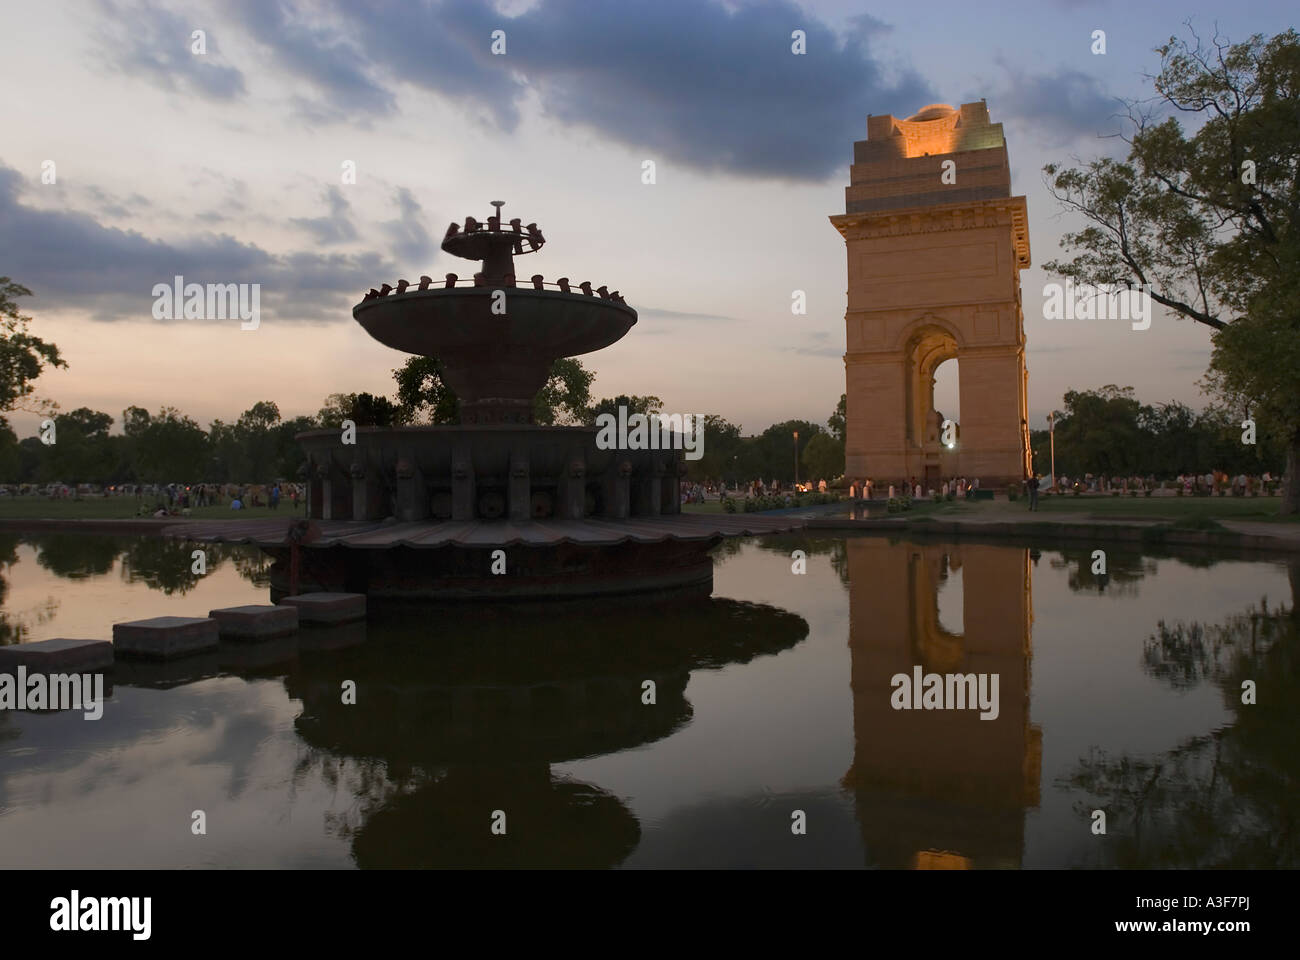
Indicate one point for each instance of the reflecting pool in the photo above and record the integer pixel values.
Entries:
(758, 727)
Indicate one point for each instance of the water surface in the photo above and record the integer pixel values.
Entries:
(1120, 693)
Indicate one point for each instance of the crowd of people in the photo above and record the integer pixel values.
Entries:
(1191, 484)
(178, 499)
(866, 488)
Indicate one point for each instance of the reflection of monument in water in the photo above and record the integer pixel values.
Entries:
(453, 731)
(941, 788)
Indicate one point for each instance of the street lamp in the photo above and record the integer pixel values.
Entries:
(796, 459)
(1051, 438)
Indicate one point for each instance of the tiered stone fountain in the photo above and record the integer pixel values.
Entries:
(426, 511)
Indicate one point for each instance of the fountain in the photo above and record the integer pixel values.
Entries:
(497, 505)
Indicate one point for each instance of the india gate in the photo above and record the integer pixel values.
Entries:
(935, 245)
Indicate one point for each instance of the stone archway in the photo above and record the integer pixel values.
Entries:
(933, 275)
(927, 348)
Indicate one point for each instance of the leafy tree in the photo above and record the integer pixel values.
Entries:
(774, 450)
(634, 404)
(1107, 431)
(424, 394)
(1100, 430)
(173, 448)
(334, 410)
(10, 454)
(84, 453)
(822, 458)
(22, 356)
(256, 437)
(32, 455)
(721, 444)
(289, 457)
(565, 396)
(225, 460)
(368, 410)
(1206, 220)
(363, 409)
(836, 421)
(135, 421)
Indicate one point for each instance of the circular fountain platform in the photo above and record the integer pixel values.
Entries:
(450, 560)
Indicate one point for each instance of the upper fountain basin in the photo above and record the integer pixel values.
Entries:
(438, 321)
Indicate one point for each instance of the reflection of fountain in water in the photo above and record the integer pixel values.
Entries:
(444, 733)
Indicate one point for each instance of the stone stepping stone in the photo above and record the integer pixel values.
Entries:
(154, 674)
(257, 658)
(255, 621)
(163, 638)
(333, 637)
(60, 655)
(328, 608)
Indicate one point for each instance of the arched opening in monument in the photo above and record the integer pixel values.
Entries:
(937, 647)
(929, 349)
(947, 389)
(951, 597)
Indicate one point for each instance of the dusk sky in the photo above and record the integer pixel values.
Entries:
(226, 168)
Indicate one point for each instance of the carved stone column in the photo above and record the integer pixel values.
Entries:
(462, 483)
(412, 501)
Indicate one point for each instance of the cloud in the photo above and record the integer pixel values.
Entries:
(337, 227)
(836, 352)
(1058, 108)
(70, 260)
(146, 41)
(411, 241)
(113, 206)
(318, 45)
(691, 82)
(678, 316)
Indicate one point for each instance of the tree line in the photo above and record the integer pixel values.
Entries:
(259, 445)
(1108, 432)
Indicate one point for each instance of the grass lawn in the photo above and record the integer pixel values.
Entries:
(115, 508)
(709, 506)
(1171, 508)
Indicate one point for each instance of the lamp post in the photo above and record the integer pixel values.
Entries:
(796, 459)
(1051, 439)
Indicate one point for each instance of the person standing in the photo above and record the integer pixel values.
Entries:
(1032, 484)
